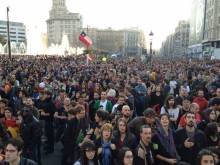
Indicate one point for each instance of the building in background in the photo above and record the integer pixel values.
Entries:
(126, 42)
(61, 22)
(211, 33)
(17, 35)
(196, 28)
(176, 44)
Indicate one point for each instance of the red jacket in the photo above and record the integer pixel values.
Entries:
(203, 103)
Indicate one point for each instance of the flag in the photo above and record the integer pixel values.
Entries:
(85, 39)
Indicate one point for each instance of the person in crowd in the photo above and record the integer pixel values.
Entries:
(88, 154)
(148, 118)
(163, 143)
(31, 133)
(122, 137)
(194, 107)
(92, 110)
(214, 106)
(173, 111)
(60, 118)
(182, 94)
(103, 103)
(47, 114)
(11, 123)
(143, 153)
(106, 148)
(189, 140)
(210, 118)
(13, 154)
(201, 100)
(101, 117)
(126, 113)
(212, 134)
(126, 156)
(205, 157)
(157, 98)
(74, 134)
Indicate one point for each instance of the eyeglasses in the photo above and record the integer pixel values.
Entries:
(10, 151)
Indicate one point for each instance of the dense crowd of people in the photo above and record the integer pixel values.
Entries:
(114, 112)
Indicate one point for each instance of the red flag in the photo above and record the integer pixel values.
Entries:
(85, 39)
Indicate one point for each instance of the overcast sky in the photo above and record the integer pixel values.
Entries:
(160, 16)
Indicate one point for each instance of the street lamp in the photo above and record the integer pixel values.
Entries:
(151, 39)
(8, 30)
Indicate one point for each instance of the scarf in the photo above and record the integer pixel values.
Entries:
(106, 153)
(167, 141)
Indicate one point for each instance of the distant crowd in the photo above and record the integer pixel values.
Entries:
(114, 112)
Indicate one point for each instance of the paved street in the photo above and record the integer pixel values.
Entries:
(52, 159)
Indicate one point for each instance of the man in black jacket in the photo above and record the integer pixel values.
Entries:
(31, 134)
(13, 151)
(47, 111)
(189, 140)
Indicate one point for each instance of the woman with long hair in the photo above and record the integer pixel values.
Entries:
(125, 156)
(163, 143)
(88, 154)
(171, 108)
(122, 137)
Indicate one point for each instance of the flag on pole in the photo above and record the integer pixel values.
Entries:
(85, 39)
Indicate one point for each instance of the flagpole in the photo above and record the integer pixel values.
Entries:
(87, 47)
(8, 31)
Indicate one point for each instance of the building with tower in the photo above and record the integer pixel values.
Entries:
(62, 22)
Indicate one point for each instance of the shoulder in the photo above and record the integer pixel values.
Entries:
(77, 163)
(25, 161)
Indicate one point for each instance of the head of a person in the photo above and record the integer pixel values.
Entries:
(101, 115)
(66, 101)
(26, 112)
(212, 116)
(126, 111)
(211, 129)
(205, 157)
(96, 96)
(200, 93)
(106, 131)
(126, 156)
(103, 95)
(122, 126)
(88, 151)
(121, 100)
(150, 115)
(218, 92)
(13, 150)
(29, 102)
(186, 104)
(190, 119)
(194, 107)
(215, 104)
(164, 120)
(80, 111)
(183, 91)
(8, 113)
(145, 134)
(170, 102)
(158, 89)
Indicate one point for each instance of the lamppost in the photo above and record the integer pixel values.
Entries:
(151, 40)
(8, 31)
